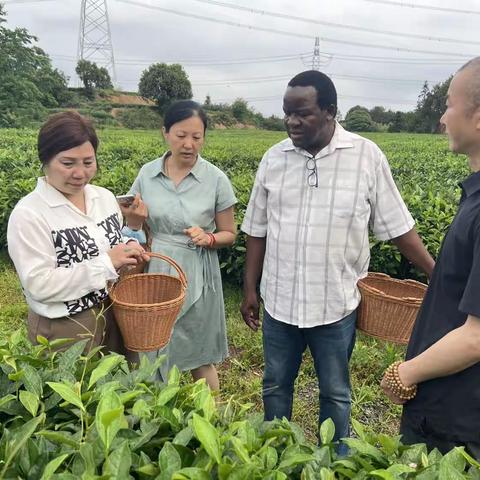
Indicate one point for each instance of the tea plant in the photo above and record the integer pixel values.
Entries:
(80, 415)
(425, 171)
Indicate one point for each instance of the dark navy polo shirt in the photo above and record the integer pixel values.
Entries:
(450, 406)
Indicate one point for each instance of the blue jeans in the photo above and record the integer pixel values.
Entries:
(331, 347)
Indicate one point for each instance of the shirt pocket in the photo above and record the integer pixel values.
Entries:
(349, 205)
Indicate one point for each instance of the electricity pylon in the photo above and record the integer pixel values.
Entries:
(95, 39)
(316, 55)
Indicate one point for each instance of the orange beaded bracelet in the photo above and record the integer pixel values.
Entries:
(392, 379)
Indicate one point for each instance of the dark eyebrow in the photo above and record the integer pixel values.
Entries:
(73, 158)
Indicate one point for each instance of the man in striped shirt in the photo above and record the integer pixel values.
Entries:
(315, 196)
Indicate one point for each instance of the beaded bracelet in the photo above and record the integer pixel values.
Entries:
(392, 379)
(213, 240)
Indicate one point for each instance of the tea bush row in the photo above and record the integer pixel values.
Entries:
(76, 414)
(424, 169)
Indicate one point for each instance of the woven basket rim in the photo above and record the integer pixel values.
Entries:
(376, 292)
(181, 297)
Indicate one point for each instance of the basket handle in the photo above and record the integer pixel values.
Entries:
(173, 263)
(414, 283)
(378, 275)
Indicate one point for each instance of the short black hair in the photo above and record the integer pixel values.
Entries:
(326, 92)
(182, 110)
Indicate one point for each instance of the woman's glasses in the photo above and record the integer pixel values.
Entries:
(312, 178)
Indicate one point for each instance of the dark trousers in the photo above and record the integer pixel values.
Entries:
(331, 347)
(417, 430)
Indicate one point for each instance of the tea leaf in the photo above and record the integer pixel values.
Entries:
(118, 462)
(52, 466)
(327, 431)
(32, 380)
(169, 458)
(191, 473)
(30, 401)
(107, 364)
(365, 448)
(297, 459)
(67, 393)
(183, 437)
(109, 418)
(59, 438)
(208, 436)
(6, 399)
(21, 435)
(167, 394)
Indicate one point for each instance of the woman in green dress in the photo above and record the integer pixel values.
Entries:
(190, 205)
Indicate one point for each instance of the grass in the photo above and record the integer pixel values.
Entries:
(13, 309)
(241, 373)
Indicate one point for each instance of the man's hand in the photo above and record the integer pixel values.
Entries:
(249, 309)
(392, 397)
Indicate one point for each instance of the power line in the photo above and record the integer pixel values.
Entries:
(293, 34)
(425, 7)
(357, 97)
(193, 63)
(5, 2)
(336, 25)
(306, 56)
(400, 60)
(274, 78)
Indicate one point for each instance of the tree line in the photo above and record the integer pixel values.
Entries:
(30, 86)
(424, 119)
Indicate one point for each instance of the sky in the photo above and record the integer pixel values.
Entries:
(378, 52)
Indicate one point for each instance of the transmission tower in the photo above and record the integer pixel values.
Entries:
(95, 39)
(316, 55)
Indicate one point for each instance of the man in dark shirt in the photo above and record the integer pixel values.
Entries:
(444, 351)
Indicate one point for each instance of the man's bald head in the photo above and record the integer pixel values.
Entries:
(473, 88)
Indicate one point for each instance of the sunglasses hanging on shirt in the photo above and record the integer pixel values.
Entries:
(312, 177)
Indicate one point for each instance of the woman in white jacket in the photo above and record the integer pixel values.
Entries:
(65, 239)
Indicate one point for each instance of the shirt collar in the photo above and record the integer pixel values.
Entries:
(341, 139)
(198, 170)
(471, 184)
(55, 198)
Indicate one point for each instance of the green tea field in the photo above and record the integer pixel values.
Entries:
(424, 169)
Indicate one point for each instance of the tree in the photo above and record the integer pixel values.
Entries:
(380, 115)
(93, 77)
(164, 84)
(430, 106)
(208, 101)
(358, 119)
(28, 81)
(398, 123)
(240, 109)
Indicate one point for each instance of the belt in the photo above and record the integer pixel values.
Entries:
(205, 255)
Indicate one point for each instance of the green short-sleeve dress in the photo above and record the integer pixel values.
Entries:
(199, 335)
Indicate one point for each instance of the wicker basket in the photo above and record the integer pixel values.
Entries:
(389, 307)
(146, 306)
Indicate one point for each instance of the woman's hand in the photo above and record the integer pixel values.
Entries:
(136, 213)
(199, 236)
(127, 254)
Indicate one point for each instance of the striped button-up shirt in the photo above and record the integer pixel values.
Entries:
(317, 236)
